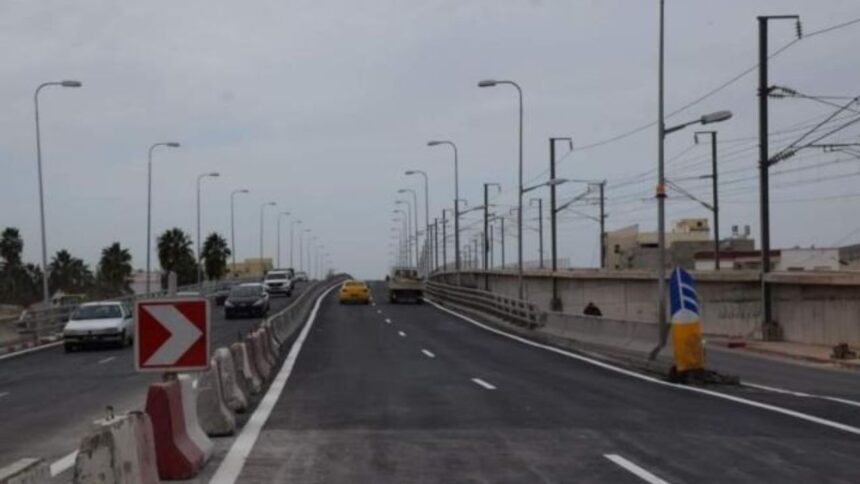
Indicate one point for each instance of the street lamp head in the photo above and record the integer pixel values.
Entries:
(410, 172)
(271, 204)
(71, 83)
(172, 144)
(244, 190)
(716, 117)
(213, 174)
(556, 181)
(487, 83)
(434, 143)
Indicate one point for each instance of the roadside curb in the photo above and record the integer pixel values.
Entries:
(756, 351)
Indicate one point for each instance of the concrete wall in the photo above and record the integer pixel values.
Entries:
(816, 308)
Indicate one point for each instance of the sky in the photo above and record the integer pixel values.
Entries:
(320, 106)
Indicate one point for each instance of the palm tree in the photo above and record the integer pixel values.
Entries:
(69, 274)
(175, 255)
(114, 272)
(11, 246)
(214, 254)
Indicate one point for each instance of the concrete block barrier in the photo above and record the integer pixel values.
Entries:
(28, 470)
(277, 338)
(120, 450)
(232, 392)
(255, 352)
(214, 416)
(192, 423)
(249, 378)
(266, 345)
(178, 457)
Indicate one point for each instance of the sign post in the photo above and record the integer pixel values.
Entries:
(171, 335)
(689, 353)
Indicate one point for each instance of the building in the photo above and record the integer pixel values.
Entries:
(786, 260)
(251, 267)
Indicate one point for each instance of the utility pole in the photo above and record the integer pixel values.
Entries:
(492, 251)
(540, 229)
(555, 302)
(602, 226)
(444, 241)
(502, 235)
(716, 202)
(768, 325)
(436, 243)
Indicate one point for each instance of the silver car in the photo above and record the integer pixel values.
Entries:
(99, 323)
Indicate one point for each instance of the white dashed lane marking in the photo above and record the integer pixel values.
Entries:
(428, 354)
(484, 384)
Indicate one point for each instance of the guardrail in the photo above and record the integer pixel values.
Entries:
(46, 322)
(517, 311)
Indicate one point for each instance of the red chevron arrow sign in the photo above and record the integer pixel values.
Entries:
(171, 334)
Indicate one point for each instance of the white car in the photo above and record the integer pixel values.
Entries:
(278, 282)
(302, 276)
(99, 323)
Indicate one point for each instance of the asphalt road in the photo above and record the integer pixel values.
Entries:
(48, 398)
(431, 398)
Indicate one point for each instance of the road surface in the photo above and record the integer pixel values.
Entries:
(396, 393)
(49, 397)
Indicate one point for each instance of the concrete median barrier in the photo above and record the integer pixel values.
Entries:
(233, 395)
(215, 418)
(118, 450)
(178, 457)
(266, 346)
(255, 352)
(28, 470)
(192, 424)
(249, 378)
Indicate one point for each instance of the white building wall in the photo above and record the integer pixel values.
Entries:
(808, 260)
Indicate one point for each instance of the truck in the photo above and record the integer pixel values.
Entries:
(404, 285)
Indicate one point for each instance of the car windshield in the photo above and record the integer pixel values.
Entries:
(105, 311)
(276, 276)
(245, 291)
(354, 284)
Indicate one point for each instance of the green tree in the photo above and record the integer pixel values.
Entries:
(175, 255)
(114, 271)
(69, 274)
(214, 254)
(11, 246)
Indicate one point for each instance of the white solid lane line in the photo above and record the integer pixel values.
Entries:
(233, 463)
(801, 394)
(428, 354)
(484, 384)
(752, 403)
(106, 360)
(402, 334)
(63, 464)
(634, 469)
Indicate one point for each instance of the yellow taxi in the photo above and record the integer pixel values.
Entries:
(353, 291)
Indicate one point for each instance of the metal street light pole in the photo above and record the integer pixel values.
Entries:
(199, 240)
(521, 281)
(301, 249)
(46, 296)
(406, 230)
(409, 224)
(662, 131)
(426, 205)
(169, 144)
(233, 224)
(456, 204)
(282, 214)
(444, 240)
(415, 219)
(262, 224)
(555, 302)
(292, 226)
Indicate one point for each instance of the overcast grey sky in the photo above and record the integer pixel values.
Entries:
(321, 106)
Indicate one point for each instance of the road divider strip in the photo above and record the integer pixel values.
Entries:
(634, 469)
(230, 468)
(616, 369)
(63, 464)
(484, 384)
